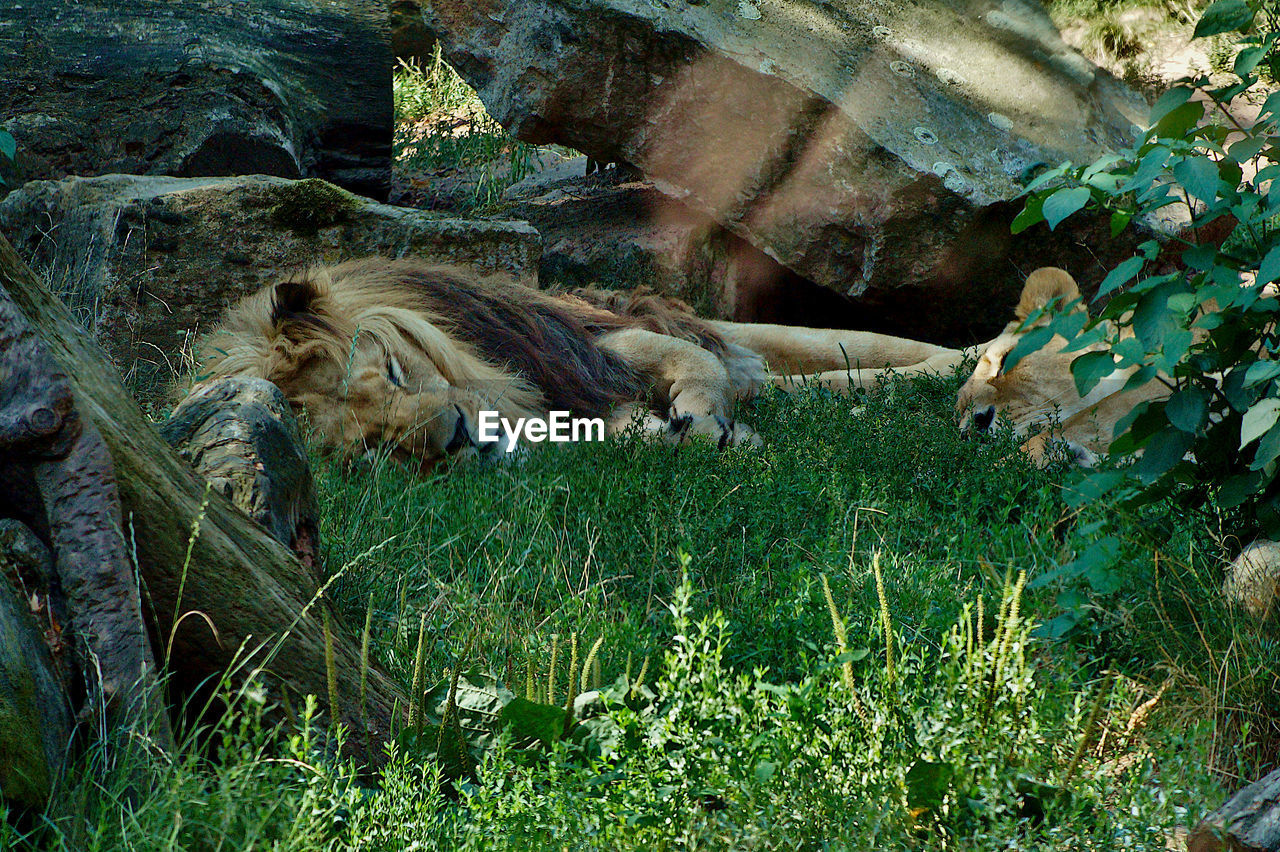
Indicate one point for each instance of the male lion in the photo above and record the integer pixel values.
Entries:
(399, 352)
(1038, 395)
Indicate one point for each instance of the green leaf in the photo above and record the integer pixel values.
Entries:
(1122, 274)
(1174, 348)
(1176, 124)
(1268, 449)
(1223, 95)
(1091, 368)
(1127, 422)
(1063, 203)
(1042, 179)
(1152, 319)
(1119, 221)
(1150, 167)
(1200, 257)
(1261, 371)
(1223, 16)
(1269, 269)
(1030, 214)
(1096, 484)
(1188, 409)
(1234, 390)
(1199, 177)
(1138, 378)
(1164, 450)
(1239, 488)
(1169, 101)
(1247, 148)
(1248, 59)
(8, 145)
(1128, 352)
(1258, 420)
(1099, 563)
(1030, 342)
(1270, 107)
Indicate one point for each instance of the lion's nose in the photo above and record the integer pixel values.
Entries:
(983, 418)
(461, 435)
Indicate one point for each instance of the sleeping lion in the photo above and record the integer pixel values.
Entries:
(1038, 395)
(406, 354)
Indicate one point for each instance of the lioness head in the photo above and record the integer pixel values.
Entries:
(1039, 387)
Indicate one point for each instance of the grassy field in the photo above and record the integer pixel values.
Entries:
(854, 638)
(732, 709)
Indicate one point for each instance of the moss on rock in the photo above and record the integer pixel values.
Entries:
(308, 205)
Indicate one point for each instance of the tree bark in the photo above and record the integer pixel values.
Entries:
(258, 607)
(240, 434)
(1248, 822)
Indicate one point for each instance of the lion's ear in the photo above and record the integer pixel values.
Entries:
(1043, 285)
(291, 299)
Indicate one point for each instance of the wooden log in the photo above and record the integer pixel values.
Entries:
(1248, 822)
(259, 616)
(35, 714)
(42, 430)
(240, 434)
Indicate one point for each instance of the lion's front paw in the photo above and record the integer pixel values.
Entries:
(722, 430)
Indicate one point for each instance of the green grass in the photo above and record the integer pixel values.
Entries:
(747, 733)
(441, 126)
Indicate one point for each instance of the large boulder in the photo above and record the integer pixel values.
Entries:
(147, 262)
(614, 229)
(1253, 579)
(294, 88)
(875, 149)
(619, 233)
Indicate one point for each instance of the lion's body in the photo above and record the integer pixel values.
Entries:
(1038, 396)
(378, 351)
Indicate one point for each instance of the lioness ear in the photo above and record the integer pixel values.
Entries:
(289, 299)
(1043, 285)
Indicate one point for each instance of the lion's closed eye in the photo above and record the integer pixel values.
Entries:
(395, 373)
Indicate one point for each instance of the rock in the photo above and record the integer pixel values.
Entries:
(411, 41)
(295, 88)
(874, 149)
(596, 231)
(241, 436)
(1253, 578)
(608, 230)
(146, 262)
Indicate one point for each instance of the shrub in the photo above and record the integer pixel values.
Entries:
(1203, 325)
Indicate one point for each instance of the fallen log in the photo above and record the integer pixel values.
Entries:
(240, 434)
(70, 473)
(1248, 822)
(260, 607)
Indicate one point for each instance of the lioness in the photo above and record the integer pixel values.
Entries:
(399, 352)
(1039, 392)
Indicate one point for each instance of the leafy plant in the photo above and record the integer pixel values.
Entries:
(1195, 313)
(443, 126)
